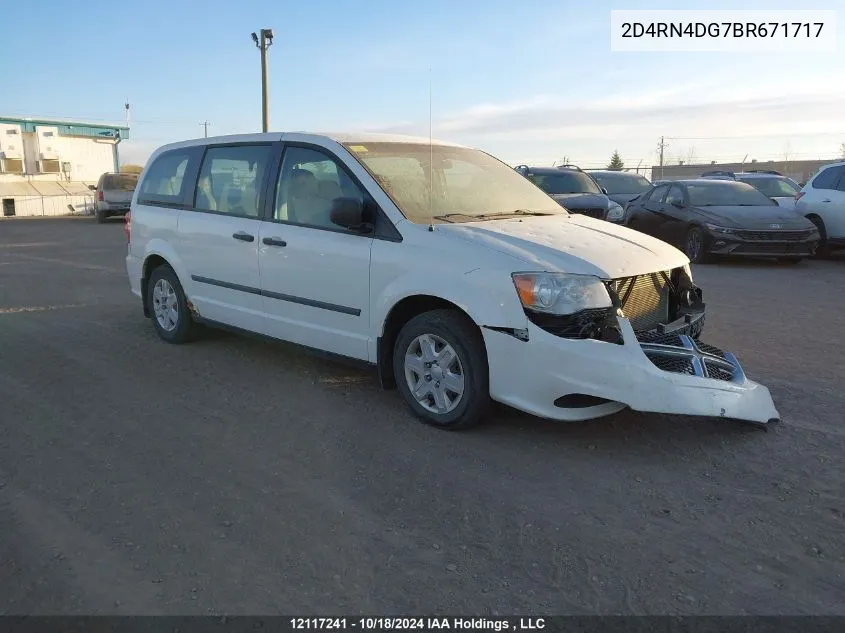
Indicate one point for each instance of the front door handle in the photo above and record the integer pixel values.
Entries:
(245, 237)
(828, 200)
(274, 241)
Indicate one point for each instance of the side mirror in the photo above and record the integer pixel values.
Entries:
(349, 214)
(92, 187)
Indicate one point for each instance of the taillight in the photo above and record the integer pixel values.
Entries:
(100, 196)
(127, 226)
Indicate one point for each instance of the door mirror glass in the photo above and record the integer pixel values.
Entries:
(348, 213)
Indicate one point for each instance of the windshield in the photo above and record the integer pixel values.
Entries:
(621, 182)
(774, 187)
(468, 184)
(725, 193)
(121, 182)
(565, 182)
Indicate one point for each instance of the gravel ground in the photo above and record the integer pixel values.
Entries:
(242, 477)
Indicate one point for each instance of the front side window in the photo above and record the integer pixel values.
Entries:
(442, 183)
(164, 180)
(230, 179)
(675, 195)
(309, 182)
(657, 193)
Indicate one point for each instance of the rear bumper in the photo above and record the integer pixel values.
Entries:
(565, 379)
(113, 208)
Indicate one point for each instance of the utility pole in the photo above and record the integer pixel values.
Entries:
(263, 43)
(205, 125)
(661, 146)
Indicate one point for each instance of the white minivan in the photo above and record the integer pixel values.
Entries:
(458, 279)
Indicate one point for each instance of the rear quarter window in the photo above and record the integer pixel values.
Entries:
(170, 179)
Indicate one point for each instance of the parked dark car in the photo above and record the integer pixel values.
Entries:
(621, 186)
(114, 193)
(706, 217)
(575, 190)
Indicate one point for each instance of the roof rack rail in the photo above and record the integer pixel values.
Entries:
(569, 166)
(718, 172)
(764, 171)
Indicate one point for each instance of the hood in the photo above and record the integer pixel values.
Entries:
(581, 200)
(756, 218)
(572, 243)
(787, 202)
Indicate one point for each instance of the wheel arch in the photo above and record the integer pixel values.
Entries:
(159, 255)
(399, 314)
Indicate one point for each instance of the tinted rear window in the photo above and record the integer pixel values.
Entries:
(121, 182)
(565, 182)
(622, 182)
(773, 187)
(725, 193)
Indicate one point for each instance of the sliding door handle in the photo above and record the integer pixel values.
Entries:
(274, 241)
(245, 237)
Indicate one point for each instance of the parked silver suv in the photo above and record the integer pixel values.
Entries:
(114, 193)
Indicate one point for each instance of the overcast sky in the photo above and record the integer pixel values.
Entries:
(529, 82)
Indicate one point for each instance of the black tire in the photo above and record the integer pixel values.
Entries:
(790, 260)
(823, 249)
(101, 216)
(186, 328)
(455, 329)
(697, 255)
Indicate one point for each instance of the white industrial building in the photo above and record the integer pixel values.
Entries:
(46, 166)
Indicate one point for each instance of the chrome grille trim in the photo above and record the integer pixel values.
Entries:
(707, 361)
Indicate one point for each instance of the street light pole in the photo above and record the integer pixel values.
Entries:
(263, 43)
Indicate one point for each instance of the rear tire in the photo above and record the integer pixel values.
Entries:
(440, 357)
(790, 260)
(101, 216)
(695, 245)
(168, 307)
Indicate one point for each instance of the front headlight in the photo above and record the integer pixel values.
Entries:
(719, 229)
(615, 211)
(560, 293)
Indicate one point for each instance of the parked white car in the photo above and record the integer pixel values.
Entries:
(822, 200)
(479, 287)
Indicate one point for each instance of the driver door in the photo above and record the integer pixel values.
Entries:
(315, 275)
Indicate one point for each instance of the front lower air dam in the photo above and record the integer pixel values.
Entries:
(681, 354)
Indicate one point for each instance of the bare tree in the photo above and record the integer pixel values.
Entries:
(691, 158)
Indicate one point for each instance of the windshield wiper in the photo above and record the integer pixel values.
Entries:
(514, 212)
(452, 215)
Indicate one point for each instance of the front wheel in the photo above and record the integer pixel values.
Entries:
(694, 246)
(440, 366)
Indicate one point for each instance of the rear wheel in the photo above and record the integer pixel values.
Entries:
(790, 260)
(101, 216)
(441, 371)
(169, 307)
(695, 246)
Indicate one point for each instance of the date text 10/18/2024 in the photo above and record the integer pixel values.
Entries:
(417, 624)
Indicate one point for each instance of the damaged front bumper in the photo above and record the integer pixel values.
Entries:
(669, 372)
